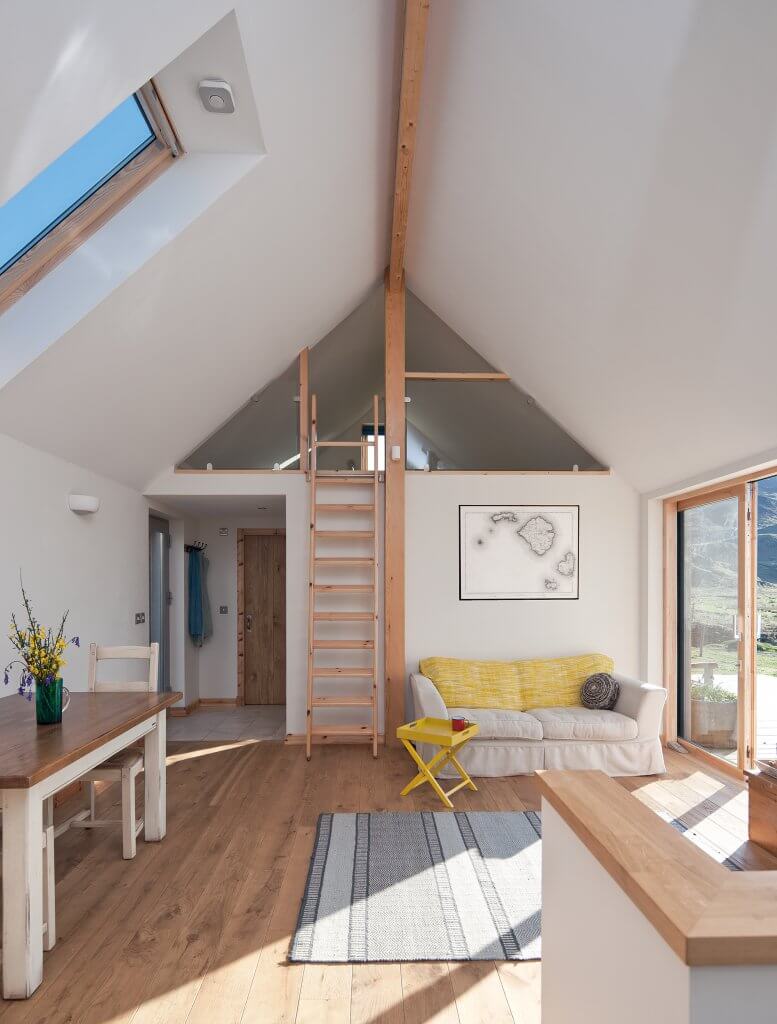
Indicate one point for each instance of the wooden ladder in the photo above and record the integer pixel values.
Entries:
(364, 565)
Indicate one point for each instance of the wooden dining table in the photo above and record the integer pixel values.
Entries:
(37, 761)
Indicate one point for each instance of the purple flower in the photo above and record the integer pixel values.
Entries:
(6, 677)
(21, 689)
(76, 640)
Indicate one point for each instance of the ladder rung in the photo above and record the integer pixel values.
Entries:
(352, 507)
(348, 701)
(343, 645)
(346, 476)
(344, 561)
(342, 730)
(324, 671)
(343, 616)
(345, 444)
(343, 588)
(346, 534)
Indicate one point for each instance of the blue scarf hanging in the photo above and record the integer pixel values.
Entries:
(196, 619)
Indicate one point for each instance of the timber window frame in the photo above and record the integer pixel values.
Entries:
(744, 489)
(104, 202)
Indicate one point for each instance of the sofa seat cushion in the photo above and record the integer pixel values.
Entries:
(501, 725)
(584, 724)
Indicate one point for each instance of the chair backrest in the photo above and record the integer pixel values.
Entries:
(149, 654)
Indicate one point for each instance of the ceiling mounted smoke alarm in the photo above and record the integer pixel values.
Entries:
(216, 96)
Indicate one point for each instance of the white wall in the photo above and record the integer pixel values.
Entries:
(606, 616)
(96, 565)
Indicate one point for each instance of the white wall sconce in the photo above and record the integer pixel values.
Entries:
(83, 504)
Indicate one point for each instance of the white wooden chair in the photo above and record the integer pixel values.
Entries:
(125, 766)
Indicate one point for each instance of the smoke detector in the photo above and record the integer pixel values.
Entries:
(216, 96)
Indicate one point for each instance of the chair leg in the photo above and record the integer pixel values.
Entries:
(49, 882)
(129, 846)
(92, 815)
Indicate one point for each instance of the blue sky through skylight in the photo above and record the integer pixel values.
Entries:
(71, 179)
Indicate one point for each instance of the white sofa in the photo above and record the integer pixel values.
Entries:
(624, 741)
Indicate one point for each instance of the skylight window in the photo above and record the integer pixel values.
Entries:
(68, 200)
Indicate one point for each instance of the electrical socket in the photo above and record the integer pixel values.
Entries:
(140, 618)
(223, 609)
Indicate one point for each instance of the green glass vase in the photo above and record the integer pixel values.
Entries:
(49, 703)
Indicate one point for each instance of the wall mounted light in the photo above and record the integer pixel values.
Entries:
(83, 504)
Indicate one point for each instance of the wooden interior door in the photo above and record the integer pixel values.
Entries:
(264, 618)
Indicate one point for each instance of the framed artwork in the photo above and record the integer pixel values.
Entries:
(519, 552)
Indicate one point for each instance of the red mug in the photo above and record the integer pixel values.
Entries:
(459, 724)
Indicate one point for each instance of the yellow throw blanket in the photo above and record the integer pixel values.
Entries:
(513, 685)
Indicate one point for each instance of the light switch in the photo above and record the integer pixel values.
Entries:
(396, 453)
(223, 609)
(140, 618)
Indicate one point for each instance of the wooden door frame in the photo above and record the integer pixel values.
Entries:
(242, 533)
(742, 489)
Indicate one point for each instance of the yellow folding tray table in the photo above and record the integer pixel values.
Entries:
(437, 731)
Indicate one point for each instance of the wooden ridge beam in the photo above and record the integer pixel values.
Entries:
(416, 19)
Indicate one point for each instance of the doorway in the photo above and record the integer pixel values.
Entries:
(261, 620)
(159, 594)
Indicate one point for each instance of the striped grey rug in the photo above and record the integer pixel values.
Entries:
(422, 886)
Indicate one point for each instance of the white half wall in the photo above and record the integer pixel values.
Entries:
(599, 951)
(95, 565)
(605, 617)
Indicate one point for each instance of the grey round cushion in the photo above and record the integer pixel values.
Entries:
(600, 692)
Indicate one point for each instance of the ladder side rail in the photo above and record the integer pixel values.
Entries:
(376, 588)
(311, 572)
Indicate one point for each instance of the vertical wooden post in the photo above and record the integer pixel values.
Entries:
(394, 528)
(304, 401)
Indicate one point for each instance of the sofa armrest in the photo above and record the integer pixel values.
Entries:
(427, 701)
(643, 702)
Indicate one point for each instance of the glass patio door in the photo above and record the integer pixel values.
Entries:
(711, 602)
(765, 657)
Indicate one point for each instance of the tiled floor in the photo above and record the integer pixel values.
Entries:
(252, 722)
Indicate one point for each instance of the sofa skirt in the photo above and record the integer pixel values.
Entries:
(496, 758)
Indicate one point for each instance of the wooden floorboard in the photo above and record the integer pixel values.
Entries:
(196, 929)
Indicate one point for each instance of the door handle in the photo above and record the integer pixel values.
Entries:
(249, 622)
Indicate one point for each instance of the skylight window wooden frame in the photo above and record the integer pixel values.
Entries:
(103, 204)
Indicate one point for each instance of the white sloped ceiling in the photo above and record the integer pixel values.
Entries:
(270, 267)
(594, 208)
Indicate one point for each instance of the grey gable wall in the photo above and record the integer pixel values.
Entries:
(478, 426)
